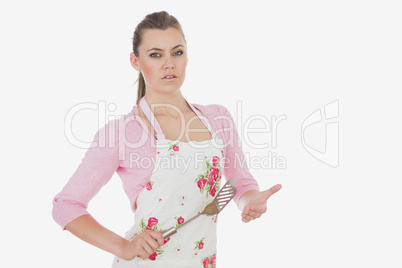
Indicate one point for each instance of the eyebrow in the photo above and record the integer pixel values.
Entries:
(159, 49)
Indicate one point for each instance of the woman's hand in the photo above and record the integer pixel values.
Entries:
(257, 203)
(143, 245)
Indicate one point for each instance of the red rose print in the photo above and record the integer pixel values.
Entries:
(213, 261)
(153, 256)
(214, 171)
(215, 160)
(149, 187)
(201, 183)
(213, 175)
(152, 221)
(175, 148)
(180, 220)
(167, 240)
(201, 245)
(212, 190)
(205, 263)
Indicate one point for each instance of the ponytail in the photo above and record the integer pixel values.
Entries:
(141, 87)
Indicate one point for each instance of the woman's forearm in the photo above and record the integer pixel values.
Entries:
(89, 230)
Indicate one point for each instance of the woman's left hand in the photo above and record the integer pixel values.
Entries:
(258, 204)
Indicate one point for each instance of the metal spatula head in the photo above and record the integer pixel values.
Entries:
(225, 194)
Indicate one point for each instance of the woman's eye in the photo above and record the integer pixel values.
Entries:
(154, 55)
(179, 52)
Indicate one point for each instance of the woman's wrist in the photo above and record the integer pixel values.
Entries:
(121, 249)
(245, 198)
(90, 231)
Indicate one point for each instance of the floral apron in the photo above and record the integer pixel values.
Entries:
(186, 178)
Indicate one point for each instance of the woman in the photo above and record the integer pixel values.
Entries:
(161, 195)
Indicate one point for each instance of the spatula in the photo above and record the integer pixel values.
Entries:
(225, 194)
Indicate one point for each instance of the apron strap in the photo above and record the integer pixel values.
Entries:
(203, 119)
(159, 134)
(150, 115)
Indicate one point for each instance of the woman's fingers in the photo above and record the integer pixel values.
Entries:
(151, 237)
(250, 216)
(148, 241)
(158, 236)
(143, 254)
(148, 248)
(253, 214)
(267, 193)
(247, 219)
(145, 243)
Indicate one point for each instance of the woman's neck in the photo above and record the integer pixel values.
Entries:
(167, 104)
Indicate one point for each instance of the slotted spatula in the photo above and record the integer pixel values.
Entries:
(225, 194)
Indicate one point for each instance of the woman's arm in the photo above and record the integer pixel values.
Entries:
(235, 162)
(100, 162)
(249, 199)
(89, 230)
(70, 205)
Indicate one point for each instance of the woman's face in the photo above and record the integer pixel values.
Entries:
(162, 59)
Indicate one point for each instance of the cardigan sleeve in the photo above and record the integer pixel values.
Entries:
(235, 162)
(96, 168)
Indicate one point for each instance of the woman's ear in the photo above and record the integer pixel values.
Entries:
(134, 62)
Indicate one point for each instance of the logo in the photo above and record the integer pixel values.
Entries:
(320, 134)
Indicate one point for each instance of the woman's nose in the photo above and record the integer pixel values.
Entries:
(169, 63)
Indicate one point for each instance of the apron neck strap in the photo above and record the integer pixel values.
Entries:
(150, 115)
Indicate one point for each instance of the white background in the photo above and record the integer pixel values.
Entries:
(277, 58)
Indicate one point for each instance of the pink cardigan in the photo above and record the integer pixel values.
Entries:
(110, 152)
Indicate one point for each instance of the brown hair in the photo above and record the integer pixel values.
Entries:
(157, 20)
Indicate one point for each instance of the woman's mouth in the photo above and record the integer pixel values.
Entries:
(169, 77)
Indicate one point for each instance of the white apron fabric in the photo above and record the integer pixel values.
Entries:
(186, 178)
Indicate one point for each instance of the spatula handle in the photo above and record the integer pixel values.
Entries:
(169, 232)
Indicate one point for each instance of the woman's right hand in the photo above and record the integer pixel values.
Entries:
(143, 245)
